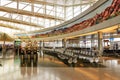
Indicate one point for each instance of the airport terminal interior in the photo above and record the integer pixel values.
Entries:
(59, 39)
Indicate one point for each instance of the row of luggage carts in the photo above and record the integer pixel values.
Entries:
(74, 55)
(111, 53)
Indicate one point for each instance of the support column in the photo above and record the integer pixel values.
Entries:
(40, 48)
(64, 43)
(100, 46)
(55, 44)
(40, 42)
(84, 41)
(43, 44)
(111, 40)
(92, 41)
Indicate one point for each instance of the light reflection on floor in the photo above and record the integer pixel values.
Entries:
(12, 69)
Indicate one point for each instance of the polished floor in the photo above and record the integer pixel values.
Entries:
(49, 68)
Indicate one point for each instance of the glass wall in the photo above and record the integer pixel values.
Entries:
(44, 14)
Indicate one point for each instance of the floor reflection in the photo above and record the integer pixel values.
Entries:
(28, 66)
(42, 69)
(9, 53)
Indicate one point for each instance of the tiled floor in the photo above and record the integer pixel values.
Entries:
(51, 69)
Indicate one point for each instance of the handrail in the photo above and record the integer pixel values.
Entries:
(81, 15)
(84, 28)
(103, 25)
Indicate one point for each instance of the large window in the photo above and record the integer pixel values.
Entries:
(30, 16)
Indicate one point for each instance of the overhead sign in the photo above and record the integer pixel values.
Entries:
(111, 39)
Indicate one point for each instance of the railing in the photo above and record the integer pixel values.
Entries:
(101, 18)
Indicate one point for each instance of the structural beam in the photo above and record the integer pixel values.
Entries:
(9, 26)
(52, 3)
(41, 2)
(29, 13)
(20, 22)
(80, 4)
